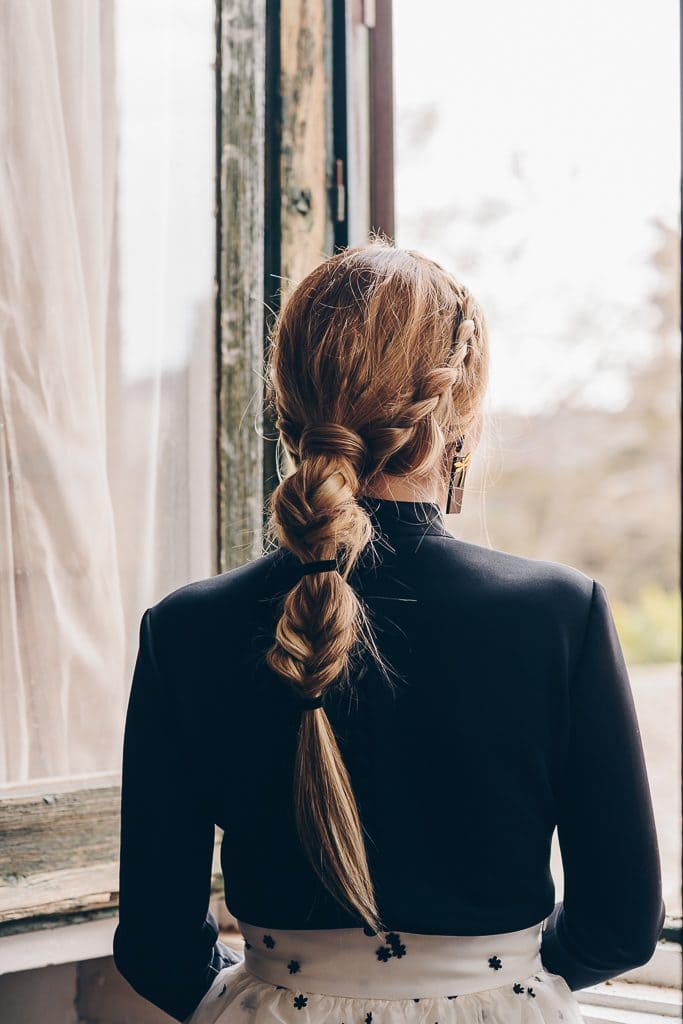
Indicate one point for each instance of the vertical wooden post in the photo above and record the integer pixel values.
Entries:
(359, 140)
(276, 204)
(368, 95)
(300, 156)
(240, 130)
(382, 215)
(306, 156)
(271, 284)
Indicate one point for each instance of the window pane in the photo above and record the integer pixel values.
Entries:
(106, 380)
(537, 157)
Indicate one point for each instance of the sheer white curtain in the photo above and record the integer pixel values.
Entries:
(106, 260)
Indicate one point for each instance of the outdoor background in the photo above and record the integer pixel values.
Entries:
(537, 158)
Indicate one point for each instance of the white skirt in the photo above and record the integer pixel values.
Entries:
(347, 976)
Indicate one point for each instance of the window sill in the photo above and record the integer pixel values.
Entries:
(625, 1002)
(645, 995)
(28, 951)
(30, 948)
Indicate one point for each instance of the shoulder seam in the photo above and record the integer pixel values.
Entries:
(582, 648)
(146, 622)
(163, 679)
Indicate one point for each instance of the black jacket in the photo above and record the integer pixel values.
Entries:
(511, 712)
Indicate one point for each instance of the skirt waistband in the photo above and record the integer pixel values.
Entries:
(390, 965)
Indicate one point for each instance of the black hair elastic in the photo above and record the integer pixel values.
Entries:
(302, 701)
(323, 565)
(310, 702)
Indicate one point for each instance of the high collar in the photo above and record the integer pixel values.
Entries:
(404, 515)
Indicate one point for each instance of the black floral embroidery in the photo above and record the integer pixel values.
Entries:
(495, 962)
(300, 1001)
(517, 987)
(294, 966)
(394, 948)
(368, 1017)
(531, 993)
(368, 930)
(269, 941)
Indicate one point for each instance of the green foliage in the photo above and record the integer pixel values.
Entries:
(649, 627)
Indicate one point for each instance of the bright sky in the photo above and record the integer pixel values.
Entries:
(566, 118)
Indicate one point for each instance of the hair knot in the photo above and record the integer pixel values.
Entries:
(334, 440)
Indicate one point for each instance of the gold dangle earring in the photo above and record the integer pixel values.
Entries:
(457, 478)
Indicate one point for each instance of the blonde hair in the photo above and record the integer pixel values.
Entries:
(378, 362)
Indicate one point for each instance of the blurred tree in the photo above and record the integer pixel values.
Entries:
(581, 482)
(598, 488)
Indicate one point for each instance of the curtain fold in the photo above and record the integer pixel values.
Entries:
(62, 644)
(107, 415)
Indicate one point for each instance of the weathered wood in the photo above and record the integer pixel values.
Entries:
(51, 832)
(59, 851)
(59, 892)
(300, 161)
(306, 157)
(271, 281)
(240, 313)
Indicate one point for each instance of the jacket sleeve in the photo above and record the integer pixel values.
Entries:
(166, 941)
(612, 913)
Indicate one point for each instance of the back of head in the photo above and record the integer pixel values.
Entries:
(378, 362)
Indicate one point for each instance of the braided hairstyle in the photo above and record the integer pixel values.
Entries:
(378, 362)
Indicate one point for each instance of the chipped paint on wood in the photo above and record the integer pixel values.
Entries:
(59, 852)
(240, 270)
(306, 156)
